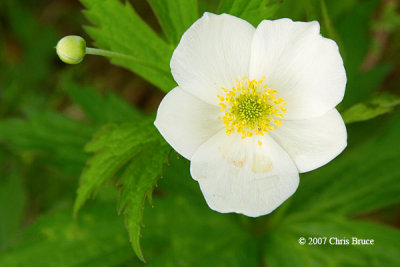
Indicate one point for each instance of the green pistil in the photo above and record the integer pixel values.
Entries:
(249, 109)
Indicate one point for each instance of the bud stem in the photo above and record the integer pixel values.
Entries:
(106, 53)
(110, 54)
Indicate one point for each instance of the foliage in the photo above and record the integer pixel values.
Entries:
(97, 238)
(172, 25)
(254, 11)
(365, 111)
(137, 143)
(120, 29)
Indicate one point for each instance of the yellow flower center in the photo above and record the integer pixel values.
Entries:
(251, 108)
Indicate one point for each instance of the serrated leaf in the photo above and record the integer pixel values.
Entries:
(283, 248)
(253, 11)
(114, 146)
(140, 148)
(175, 16)
(181, 230)
(381, 104)
(137, 184)
(101, 109)
(97, 238)
(117, 27)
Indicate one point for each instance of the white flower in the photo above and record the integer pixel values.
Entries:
(253, 108)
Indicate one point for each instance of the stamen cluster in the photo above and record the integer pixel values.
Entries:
(251, 108)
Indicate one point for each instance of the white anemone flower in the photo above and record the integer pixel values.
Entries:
(253, 108)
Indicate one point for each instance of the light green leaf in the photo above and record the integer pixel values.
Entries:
(175, 16)
(137, 184)
(117, 27)
(283, 248)
(114, 146)
(101, 109)
(381, 104)
(253, 11)
(140, 148)
(97, 238)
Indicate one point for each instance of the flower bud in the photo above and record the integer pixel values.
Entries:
(71, 49)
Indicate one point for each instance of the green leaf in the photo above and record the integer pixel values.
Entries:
(253, 11)
(119, 28)
(354, 32)
(96, 238)
(25, 78)
(283, 248)
(362, 179)
(175, 16)
(298, 10)
(101, 109)
(181, 230)
(114, 146)
(137, 184)
(58, 137)
(327, 22)
(361, 85)
(140, 148)
(12, 203)
(381, 104)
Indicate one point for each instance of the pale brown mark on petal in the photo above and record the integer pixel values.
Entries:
(261, 163)
(230, 158)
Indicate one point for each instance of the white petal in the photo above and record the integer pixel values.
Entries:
(314, 142)
(305, 68)
(186, 122)
(238, 175)
(212, 53)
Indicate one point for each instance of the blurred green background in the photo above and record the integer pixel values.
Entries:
(49, 111)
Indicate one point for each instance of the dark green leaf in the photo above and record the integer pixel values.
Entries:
(12, 203)
(101, 109)
(181, 230)
(362, 179)
(137, 184)
(58, 137)
(96, 238)
(119, 28)
(175, 16)
(283, 248)
(253, 11)
(114, 146)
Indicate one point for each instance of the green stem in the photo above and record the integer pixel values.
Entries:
(106, 53)
(111, 54)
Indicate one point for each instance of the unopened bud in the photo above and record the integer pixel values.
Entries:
(71, 49)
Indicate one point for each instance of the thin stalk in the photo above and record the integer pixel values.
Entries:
(111, 54)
